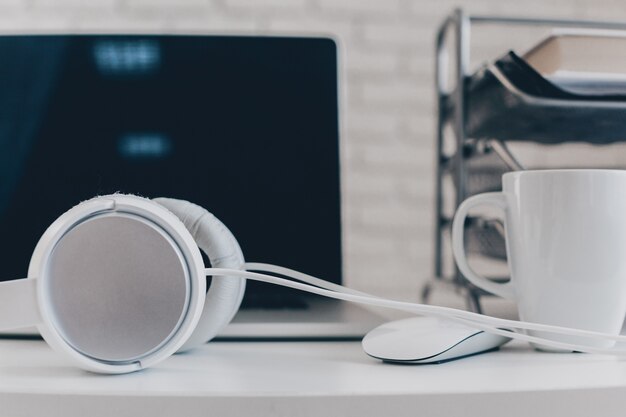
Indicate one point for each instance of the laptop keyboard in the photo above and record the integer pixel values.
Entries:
(274, 302)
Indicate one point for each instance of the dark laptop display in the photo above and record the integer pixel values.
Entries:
(246, 127)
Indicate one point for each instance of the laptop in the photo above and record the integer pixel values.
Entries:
(246, 127)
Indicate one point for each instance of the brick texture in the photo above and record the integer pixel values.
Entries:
(387, 97)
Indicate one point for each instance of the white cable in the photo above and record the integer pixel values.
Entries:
(467, 318)
(300, 276)
(436, 310)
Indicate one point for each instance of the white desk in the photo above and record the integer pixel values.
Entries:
(313, 379)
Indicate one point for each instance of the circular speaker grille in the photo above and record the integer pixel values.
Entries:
(118, 287)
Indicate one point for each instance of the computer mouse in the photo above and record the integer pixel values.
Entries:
(421, 340)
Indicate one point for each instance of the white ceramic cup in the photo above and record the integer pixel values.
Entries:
(566, 248)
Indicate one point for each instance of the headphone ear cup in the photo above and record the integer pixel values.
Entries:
(218, 243)
(120, 284)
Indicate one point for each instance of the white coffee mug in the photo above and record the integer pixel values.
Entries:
(566, 248)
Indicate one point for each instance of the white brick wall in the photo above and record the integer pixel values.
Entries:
(387, 97)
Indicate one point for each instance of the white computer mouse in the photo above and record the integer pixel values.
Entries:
(428, 340)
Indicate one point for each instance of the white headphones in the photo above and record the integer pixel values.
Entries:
(117, 284)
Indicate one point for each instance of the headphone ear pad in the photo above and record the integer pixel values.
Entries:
(218, 243)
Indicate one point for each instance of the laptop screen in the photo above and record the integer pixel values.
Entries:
(243, 126)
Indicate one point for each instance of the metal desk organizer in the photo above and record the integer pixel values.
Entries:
(506, 100)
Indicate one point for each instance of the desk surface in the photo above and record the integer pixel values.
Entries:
(313, 378)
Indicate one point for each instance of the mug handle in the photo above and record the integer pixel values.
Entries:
(506, 289)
